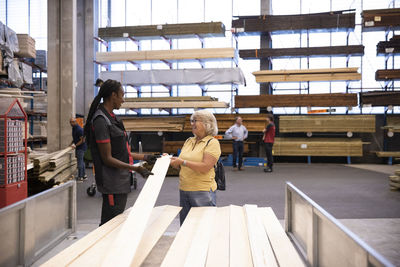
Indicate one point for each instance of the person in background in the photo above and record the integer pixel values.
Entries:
(238, 133)
(199, 154)
(269, 139)
(107, 140)
(79, 144)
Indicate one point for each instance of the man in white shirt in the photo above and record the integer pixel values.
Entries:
(238, 133)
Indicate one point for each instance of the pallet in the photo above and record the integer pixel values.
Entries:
(327, 123)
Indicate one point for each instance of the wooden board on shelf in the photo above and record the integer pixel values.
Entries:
(145, 32)
(390, 74)
(172, 147)
(285, 146)
(386, 154)
(392, 123)
(380, 98)
(381, 19)
(166, 55)
(345, 50)
(296, 100)
(177, 104)
(26, 46)
(327, 123)
(391, 47)
(170, 99)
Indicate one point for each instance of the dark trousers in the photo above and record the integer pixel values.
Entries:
(189, 199)
(109, 210)
(268, 151)
(79, 154)
(237, 151)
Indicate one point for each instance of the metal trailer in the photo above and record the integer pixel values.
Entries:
(321, 239)
(33, 226)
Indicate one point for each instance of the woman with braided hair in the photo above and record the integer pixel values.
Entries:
(111, 155)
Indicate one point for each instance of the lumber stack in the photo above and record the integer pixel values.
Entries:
(339, 21)
(381, 19)
(172, 147)
(210, 236)
(345, 50)
(182, 30)
(317, 147)
(176, 77)
(167, 55)
(327, 123)
(380, 98)
(389, 47)
(296, 100)
(154, 123)
(305, 75)
(171, 102)
(392, 123)
(26, 46)
(394, 181)
(384, 75)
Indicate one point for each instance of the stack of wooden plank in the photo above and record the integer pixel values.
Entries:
(3, 69)
(390, 74)
(172, 147)
(380, 98)
(394, 181)
(389, 47)
(392, 123)
(154, 123)
(54, 168)
(339, 21)
(327, 123)
(304, 75)
(317, 147)
(345, 50)
(381, 19)
(295, 100)
(26, 46)
(182, 30)
(167, 55)
(16, 93)
(173, 102)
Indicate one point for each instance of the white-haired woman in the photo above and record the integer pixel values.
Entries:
(196, 161)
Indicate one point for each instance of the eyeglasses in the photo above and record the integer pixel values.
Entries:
(193, 121)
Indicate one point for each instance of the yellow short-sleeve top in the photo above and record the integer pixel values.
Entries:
(190, 180)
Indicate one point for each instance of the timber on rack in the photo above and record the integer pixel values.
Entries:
(327, 123)
(154, 123)
(146, 32)
(296, 100)
(392, 123)
(345, 50)
(172, 147)
(167, 55)
(174, 104)
(380, 98)
(305, 75)
(176, 77)
(390, 74)
(391, 47)
(337, 20)
(381, 19)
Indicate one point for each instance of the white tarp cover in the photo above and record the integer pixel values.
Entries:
(176, 77)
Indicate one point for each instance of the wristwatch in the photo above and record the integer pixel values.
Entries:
(184, 163)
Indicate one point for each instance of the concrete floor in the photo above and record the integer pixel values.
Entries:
(358, 195)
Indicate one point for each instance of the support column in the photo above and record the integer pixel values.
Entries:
(61, 71)
(265, 42)
(85, 55)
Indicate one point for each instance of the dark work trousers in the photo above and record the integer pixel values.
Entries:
(237, 150)
(189, 199)
(268, 151)
(109, 210)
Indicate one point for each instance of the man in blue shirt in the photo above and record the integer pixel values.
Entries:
(79, 144)
(238, 133)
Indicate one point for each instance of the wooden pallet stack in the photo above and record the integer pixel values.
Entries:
(389, 47)
(305, 75)
(394, 181)
(381, 19)
(26, 46)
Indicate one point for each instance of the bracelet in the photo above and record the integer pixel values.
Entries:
(184, 163)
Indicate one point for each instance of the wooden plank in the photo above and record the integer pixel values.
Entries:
(170, 104)
(156, 55)
(380, 19)
(61, 153)
(153, 233)
(393, 123)
(308, 77)
(145, 32)
(197, 254)
(305, 71)
(284, 250)
(218, 252)
(327, 123)
(124, 247)
(345, 50)
(386, 154)
(240, 253)
(380, 98)
(170, 98)
(179, 248)
(385, 75)
(261, 249)
(296, 100)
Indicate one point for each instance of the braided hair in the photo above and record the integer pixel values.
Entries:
(106, 89)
